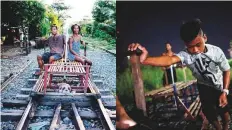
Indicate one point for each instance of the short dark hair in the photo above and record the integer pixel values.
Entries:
(167, 42)
(79, 27)
(54, 25)
(190, 30)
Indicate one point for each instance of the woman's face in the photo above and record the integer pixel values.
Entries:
(76, 30)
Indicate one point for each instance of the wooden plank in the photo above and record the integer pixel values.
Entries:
(67, 98)
(106, 116)
(41, 85)
(70, 69)
(22, 96)
(191, 106)
(66, 95)
(138, 84)
(50, 69)
(56, 118)
(26, 90)
(12, 111)
(38, 82)
(185, 108)
(88, 115)
(24, 117)
(113, 117)
(197, 111)
(44, 113)
(10, 116)
(194, 107)
(76, 69)
(154, 92)
(55, 68)
(80, 69)
(15, 103)
(32, 80)
(170, 91)
(79, 122)
(107, 97)
(109, 104)
(83, 114)
(105, 92)
(78, 103)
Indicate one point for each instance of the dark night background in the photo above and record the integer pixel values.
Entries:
(152, 23)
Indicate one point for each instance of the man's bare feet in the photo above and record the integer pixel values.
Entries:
(125, 124)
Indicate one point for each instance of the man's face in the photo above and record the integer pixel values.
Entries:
(168, 46)
(197, 45)
(54, 31)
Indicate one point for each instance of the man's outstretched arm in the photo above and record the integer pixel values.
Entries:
(161, 61)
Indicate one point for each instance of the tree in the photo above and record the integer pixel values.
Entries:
(60, 8)
(23, 13)
(104, 26)
(104, 10)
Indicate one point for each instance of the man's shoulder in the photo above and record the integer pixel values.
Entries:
(184, 51)
(212, 47)
(61, 35)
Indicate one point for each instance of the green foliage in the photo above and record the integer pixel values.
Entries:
(45, 27)
(104, 10)
(59, 8)
(125, 86)
(16, 13)
(51, 17)
(32, 14)
(99, 43)
(180, 74)
(152, 77)
(23, 13)
(89, 28)
(230, 63)
(104, 26)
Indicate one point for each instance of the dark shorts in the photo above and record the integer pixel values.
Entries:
(209, 98)
(47, 55)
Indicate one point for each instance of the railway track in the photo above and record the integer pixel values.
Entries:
(93, 110)
(81, 109)
(12, 77)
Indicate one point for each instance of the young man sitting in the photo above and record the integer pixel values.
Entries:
(56, 44)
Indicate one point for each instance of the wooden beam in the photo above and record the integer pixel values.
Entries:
(78, 103)
(138, 84)
(56, 118)
(11, 115)
(106, 116)
(24, 119)
(69, 95)
(185, 108)
(15, 103)
(79, 123)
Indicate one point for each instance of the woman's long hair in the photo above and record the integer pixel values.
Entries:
(79, 27)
